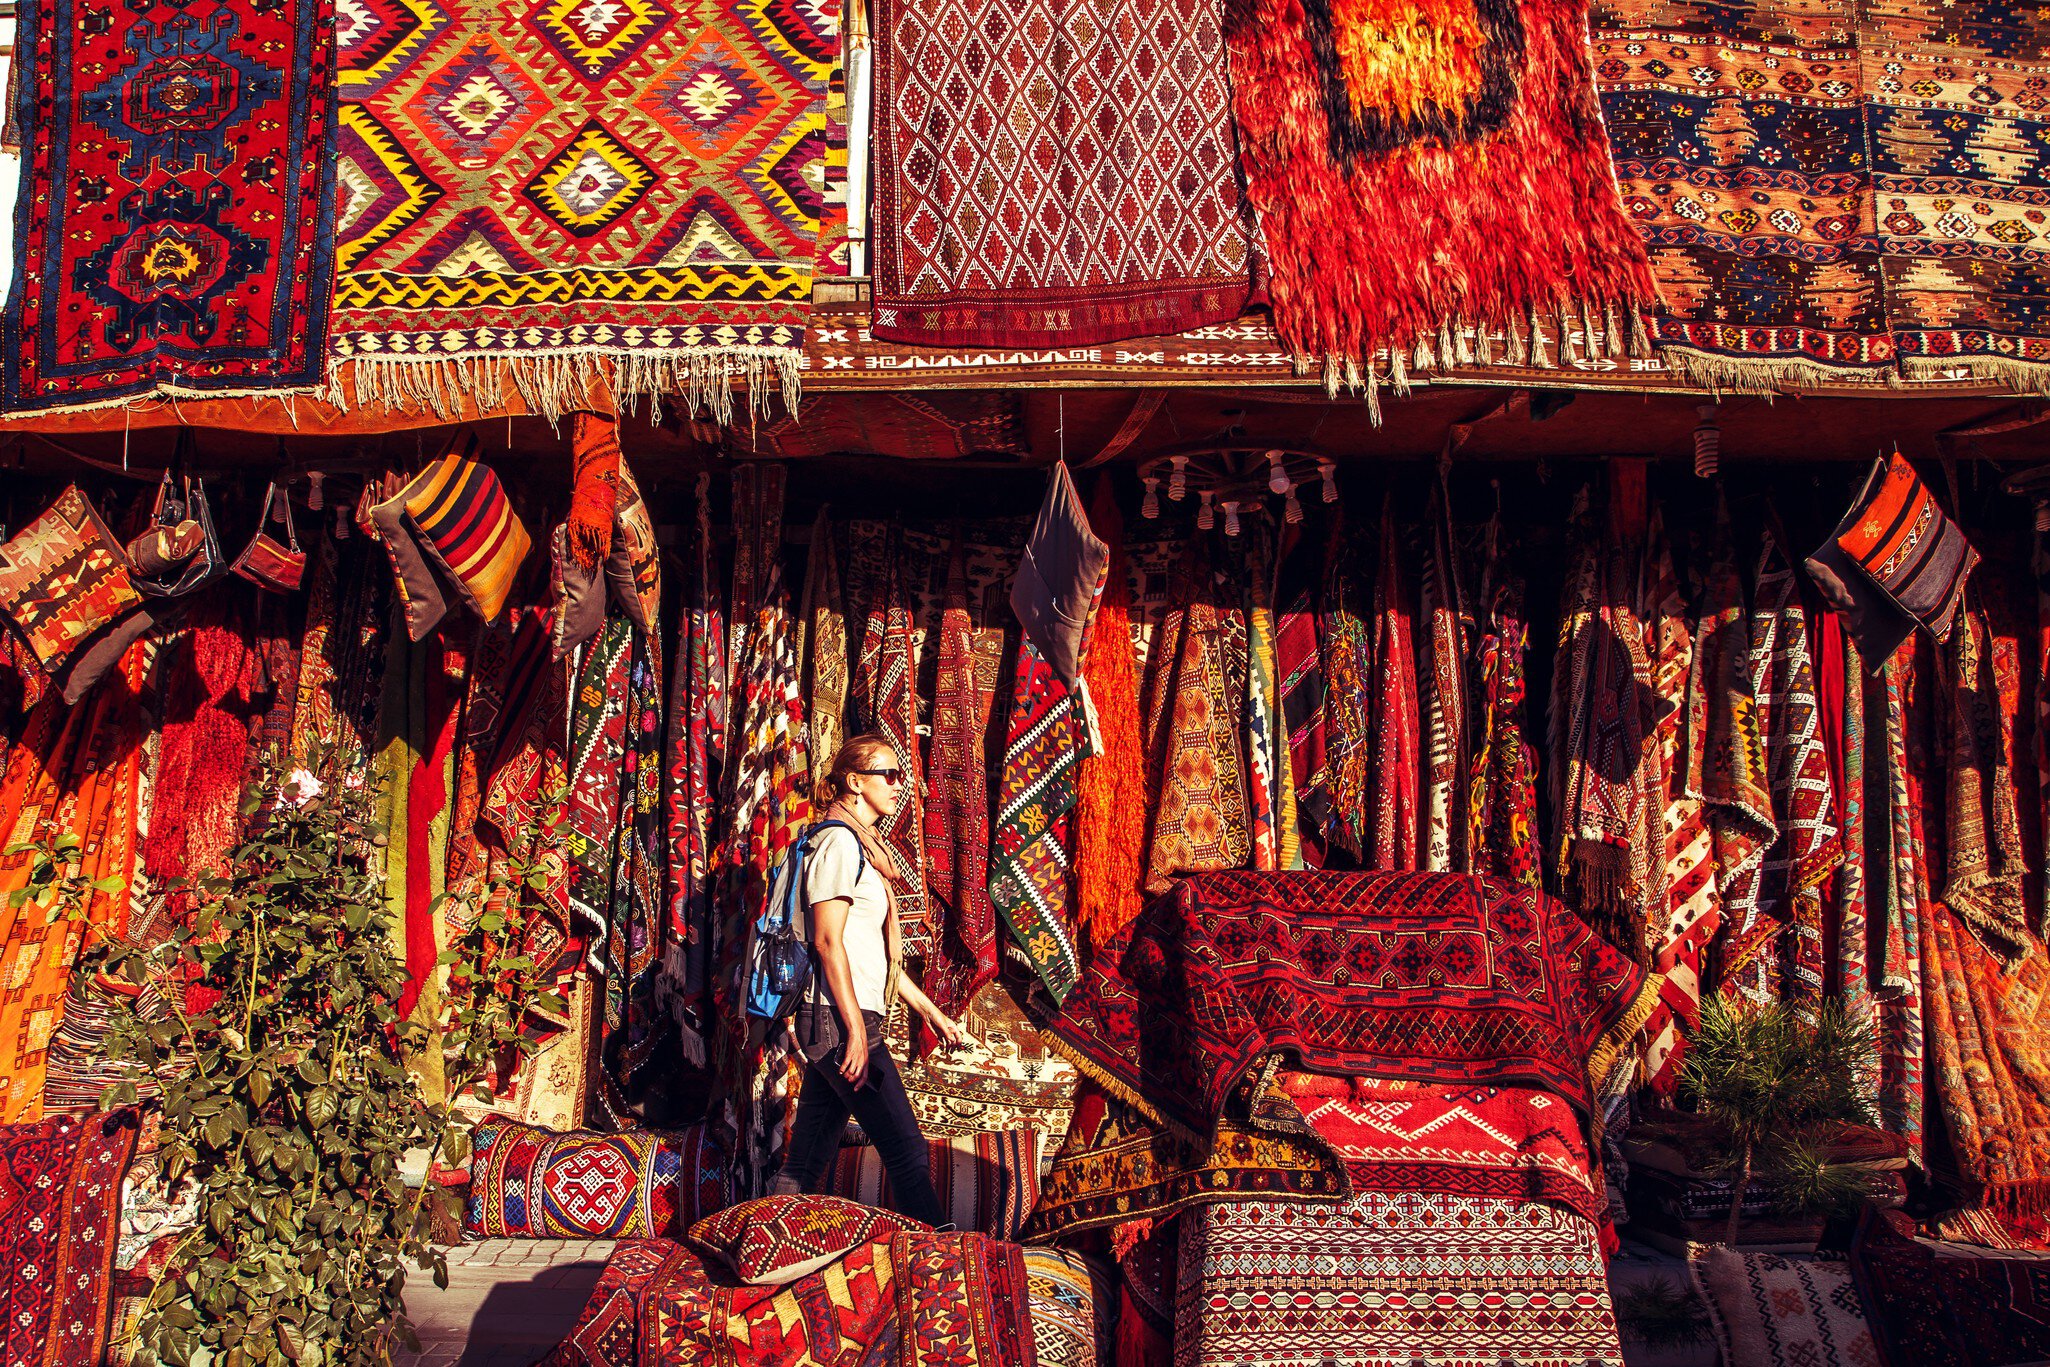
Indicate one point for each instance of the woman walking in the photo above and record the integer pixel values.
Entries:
(857, 967)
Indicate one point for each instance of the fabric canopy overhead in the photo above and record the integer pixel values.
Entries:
(1060, 174)
(627, 193)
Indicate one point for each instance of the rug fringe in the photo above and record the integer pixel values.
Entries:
(1546, 336)
(553, 384)
(2023, 377)
(1602, 1058)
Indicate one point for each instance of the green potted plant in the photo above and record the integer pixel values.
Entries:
(1775, 1087)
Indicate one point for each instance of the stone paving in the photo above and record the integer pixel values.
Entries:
(508, 1301)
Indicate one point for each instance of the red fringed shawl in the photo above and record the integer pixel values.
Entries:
(1432, 977)
(195, 805)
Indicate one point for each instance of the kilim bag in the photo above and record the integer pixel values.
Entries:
(265, 562)
(1895, 562)
(62, 578)
(466, 522)
(179, 552)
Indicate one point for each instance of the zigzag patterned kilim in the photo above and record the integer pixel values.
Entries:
(1427, 977)
(529, 193)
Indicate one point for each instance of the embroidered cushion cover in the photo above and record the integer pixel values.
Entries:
(63, 577)
(466, 522)
(776, 1239)
(527, 1182)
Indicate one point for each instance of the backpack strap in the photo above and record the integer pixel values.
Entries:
(860, 850)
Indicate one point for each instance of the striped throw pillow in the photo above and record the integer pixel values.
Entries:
(466, 522)
(987, 1183)
(1895, 562)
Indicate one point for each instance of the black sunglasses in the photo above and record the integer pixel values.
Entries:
(886, 775)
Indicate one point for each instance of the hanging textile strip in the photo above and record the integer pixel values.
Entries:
(1808, 850)
(1503, 836)
(1989, 1066)
(77, 770)
(1046, 235)
(173, 234)
(1110, 846)
(956, 806)
(772, 805)
(1840, 687)
(634, 923)
(1031, 882)
(597, 765)
(342, 679)
(1611, 846)
(1692, 913)
(1268, 796)
(757, 523)
(1230, 968)
(550, 204)
(1446, 619)
(886, 701)
(1703, 104)
(1394, 805)
(1411, 180)
(1983, 858)
(1198, 814)
(1726, 766)
(2039, 650)
(503, 659)
(697, 709)
(1902, 1041)
(1235, 681)
(824, 615)
(195, 807)
(1347, 666)
(1299, 665)
(1263, 626)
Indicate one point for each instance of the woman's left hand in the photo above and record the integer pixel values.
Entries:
(947, 1028)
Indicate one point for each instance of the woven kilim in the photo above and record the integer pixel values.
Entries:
(1393, 1280)
(1520, 1143)
(1054, 173)
(173, 232)
(1031, 881)
(60, 1208)
(1416, 178)
(1427, 977)
(1834, 191)
(566, 193)
(907, 1297)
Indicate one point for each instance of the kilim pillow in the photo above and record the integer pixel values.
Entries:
(419, 591)
(1770, 1311)
(1059, 577)
(64, 577)
(987, 1183)
(466, 522)
(532, 1183)
(579, 596)
(1895, 561)
(635, 565)
(776, 1239)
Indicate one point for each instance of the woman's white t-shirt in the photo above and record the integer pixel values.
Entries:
(830, 870)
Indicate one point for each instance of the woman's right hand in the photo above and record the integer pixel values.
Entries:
(854, 1056)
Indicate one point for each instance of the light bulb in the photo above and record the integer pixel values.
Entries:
(1178, 481)
(1277, 475)
(1292, 508)
(1329, 474)
(316, 499)
(1708, 443)
(1205, 517)
(1231, 517)
(1151, 507)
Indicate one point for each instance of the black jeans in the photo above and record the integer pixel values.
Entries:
(827, 1099)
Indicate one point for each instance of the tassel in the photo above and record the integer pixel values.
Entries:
(1109, 843)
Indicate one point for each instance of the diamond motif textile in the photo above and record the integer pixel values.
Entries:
(584, 190)
(1054, 172)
